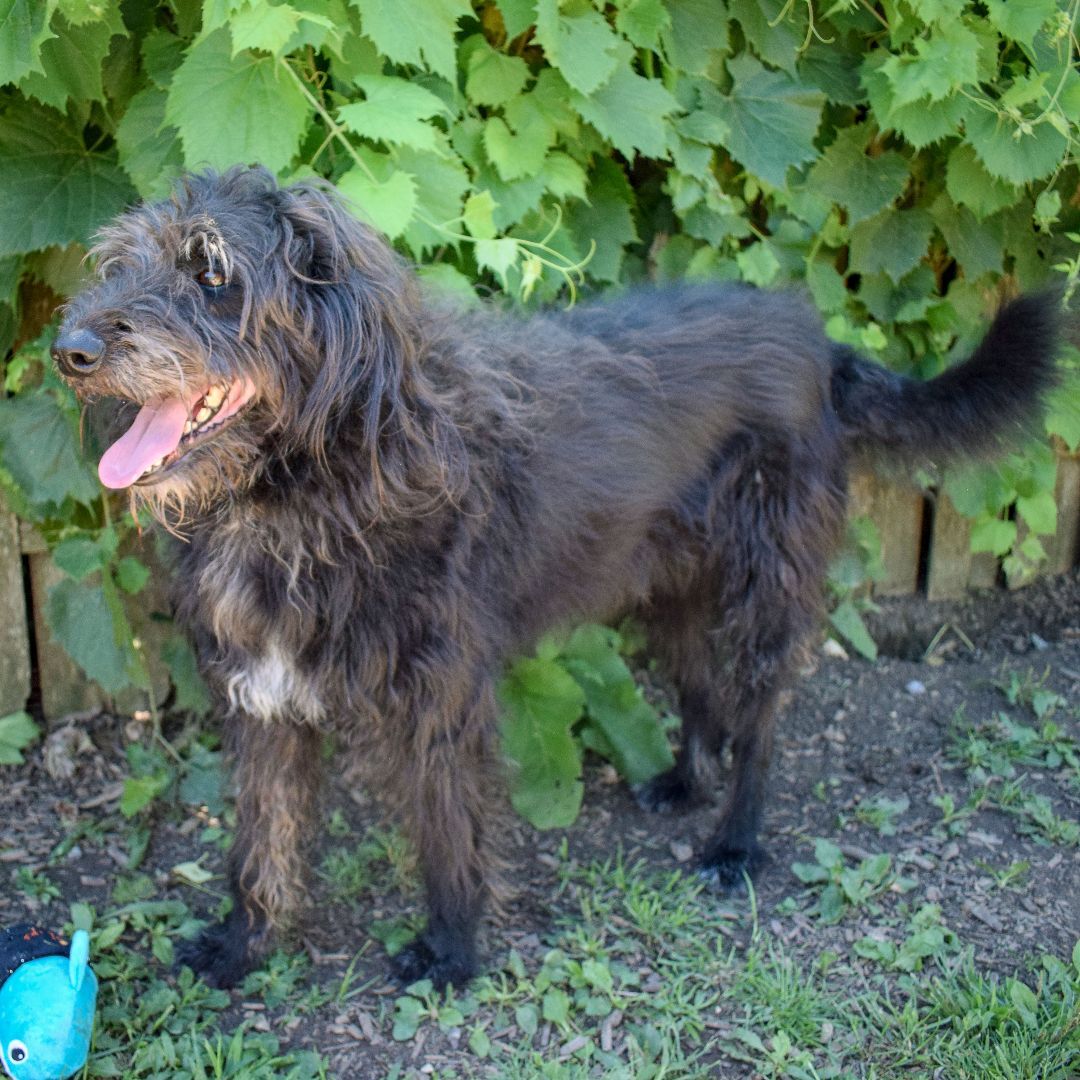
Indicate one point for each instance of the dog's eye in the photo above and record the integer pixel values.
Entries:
(211, 279)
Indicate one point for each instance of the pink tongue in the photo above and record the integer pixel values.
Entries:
(157, 431)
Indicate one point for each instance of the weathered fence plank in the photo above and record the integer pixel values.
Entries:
(14, 632)
(897, 511)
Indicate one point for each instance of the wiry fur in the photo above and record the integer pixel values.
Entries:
(416, 494)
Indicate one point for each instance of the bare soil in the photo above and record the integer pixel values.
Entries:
(852, 731)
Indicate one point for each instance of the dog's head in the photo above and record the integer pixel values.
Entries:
(240, 323)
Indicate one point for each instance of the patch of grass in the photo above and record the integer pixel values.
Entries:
(881, 812)
(840, 887)
(381, 860)
(35, 884)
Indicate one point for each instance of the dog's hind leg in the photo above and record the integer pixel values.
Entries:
(448, 792)
(277, 772)
(768, 524)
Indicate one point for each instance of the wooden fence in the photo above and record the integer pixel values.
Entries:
(925, 549)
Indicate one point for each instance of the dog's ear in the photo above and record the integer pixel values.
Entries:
(355, 302)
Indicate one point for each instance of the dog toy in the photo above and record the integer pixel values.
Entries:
(47, 997)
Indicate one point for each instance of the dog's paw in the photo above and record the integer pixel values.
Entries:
(728, 869)
(668, 793)
(418, 960)
(221, 956)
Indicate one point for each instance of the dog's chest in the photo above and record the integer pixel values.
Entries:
(246, 605)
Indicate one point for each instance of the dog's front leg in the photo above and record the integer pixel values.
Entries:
(450, 800)
(277, 773)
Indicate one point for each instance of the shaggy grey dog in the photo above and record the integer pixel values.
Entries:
(381, 500)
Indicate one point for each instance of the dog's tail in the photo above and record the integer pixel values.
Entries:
(974, 408)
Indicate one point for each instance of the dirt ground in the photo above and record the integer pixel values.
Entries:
(853, 734)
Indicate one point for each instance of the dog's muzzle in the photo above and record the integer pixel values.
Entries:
(78, 352)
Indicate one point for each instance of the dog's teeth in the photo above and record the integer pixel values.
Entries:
(214, 397)
(189, 427)
(203, 415)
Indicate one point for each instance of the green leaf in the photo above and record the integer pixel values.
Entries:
(441, 183)
(758, 264)
(641, 21)
(55, 190)
(479, 215)
(514, 156)
(976, 245)
(862, 185)
(921, 122)
(140, 791)
(24, 28)
(893, 241)
(1018, 152)
(1039, 512)
(630, 111)
(969, 184)
(393, 111)
(942, 62)
(774, 28)
(578, 42)
(263, 26)
(148, 148)
(17, 732)
(498, 256)
(991, 534)
(423, 35)
(39, 448)
(847, 621)
(72, 62)
(698, 35)
(493, 77)
(606, 219)
(541, 702)
(204, 780)
(80, 556)
(132, 575)
(191, 693)
(82, 620)
(630, 726)
(517, 16)
(1021, 20)
(771, 119)
(241, 93)
(563, 177)
(388, 204)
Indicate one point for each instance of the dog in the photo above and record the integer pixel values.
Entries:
(381, 500)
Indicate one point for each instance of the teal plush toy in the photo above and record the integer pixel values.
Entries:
(47, 998)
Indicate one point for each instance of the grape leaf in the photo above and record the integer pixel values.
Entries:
(55, 190)
(1016, 152)
(393, 111)
(493, 77)
(24, 28)
(578, 42)
(976, 245)
(267, 27)
(423, 34)
(893, 241)
(946, 60)
(605, 219)
(775, 29)
(72, 62)
(1020, 20)
(148, 148)
(241, 93)
(969, 184)
(697, 36)
(441, 184)
(772, 120)
(514, 156)
(862, 185)
(641, 21)
(630, 111)
(388, 203)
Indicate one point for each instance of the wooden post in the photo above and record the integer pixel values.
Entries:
(950, 562)
(897, 511)
(14, 631)
(1064, 549)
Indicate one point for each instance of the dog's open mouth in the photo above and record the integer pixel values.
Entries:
(164, 431)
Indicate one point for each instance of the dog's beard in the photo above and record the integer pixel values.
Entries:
(167, 429)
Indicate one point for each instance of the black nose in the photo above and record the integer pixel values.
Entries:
(78, 352)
